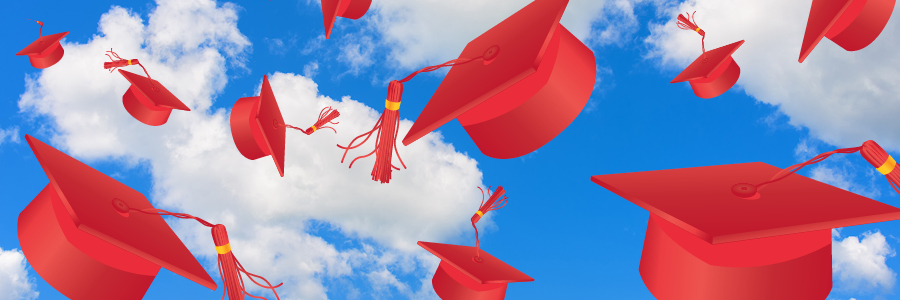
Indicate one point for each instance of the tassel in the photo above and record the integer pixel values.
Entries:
(119, 62)
(871, 151)
(230, 269)
(691, 24)
(386, 139)
(485, 207)
(325, 117)
(388, 126)
(41, 30)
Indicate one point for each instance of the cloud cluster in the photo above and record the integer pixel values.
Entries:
(859, 264)
(843, 98)
(276, 225)
(412, 34)
(14, 281)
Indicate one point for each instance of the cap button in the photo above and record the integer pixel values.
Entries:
(275, 123)
(745, 190)
(491, 53)
(478, 259)
(121, 206)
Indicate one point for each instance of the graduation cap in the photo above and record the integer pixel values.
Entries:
(46, 50)
(350, 9)
(852, 24)
(468, 272)
(706, 239)
(82, 236)
(715, 71)
(514, 88)
(146, 100)
(258, 128)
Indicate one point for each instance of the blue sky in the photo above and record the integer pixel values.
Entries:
(578, 240)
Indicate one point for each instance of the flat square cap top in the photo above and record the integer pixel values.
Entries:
(700, 201)
(269, 115)
(822, 16)
(42, 44)
(707, 63)
(492, 270)
(88, 197)
(159, 96)
(521, 39)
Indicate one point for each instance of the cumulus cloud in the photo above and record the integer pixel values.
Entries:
(843, 98)
(859, 264)
(275, 224)
(14, 280)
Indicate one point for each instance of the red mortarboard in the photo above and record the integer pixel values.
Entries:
(149, 101)
(81, 245)
(852, 24)
(704, 242)
(259, 130)
(713, 73)
(255, 126)
(519, 99)
(46, 50)
(460, 277)
(350, 9)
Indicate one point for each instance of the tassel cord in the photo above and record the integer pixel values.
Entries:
(689, 23)
(118, 62)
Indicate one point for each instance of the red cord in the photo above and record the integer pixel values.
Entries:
(484, 208)
(388, 126)
(691, 24)
(326, 116)
(119, 62)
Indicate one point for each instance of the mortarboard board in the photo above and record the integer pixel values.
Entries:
(258, 128)
(705, 242)
(460, 277)
(149, 101)
(350, 9)
(851, 24)
(46, 50)
(78, 242)
(532, 85)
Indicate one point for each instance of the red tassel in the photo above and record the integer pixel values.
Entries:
(41, 30)
(386, 139)
(485, 207)
(119, 62)
(390, 119)
(325, 117)
(230, 269)
(871, 151)
(691, 24)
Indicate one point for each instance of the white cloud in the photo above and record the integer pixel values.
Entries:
(860, 264)
(14, 281)
(419, 33)
(9, 134)
(311, 69)
(196, 169)
(843, 98)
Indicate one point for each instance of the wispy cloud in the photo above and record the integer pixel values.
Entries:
(15, 283)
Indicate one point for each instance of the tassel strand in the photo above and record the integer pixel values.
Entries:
(484, 208)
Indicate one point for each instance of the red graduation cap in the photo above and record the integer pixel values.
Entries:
(852, 24)
(514, 88)
(350, 9)
(146, 100)
(77, 242)
(715, 71)
(467, 273)
(705, 242)
(532, 85)
(81, 236)
(258, 128)
(46, 50)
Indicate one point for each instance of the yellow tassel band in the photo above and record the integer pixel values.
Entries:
(697, 30)
(223, 249)
(888, 166)
(314, 128)
(129, 62)
(480, 214)
(390, 105)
